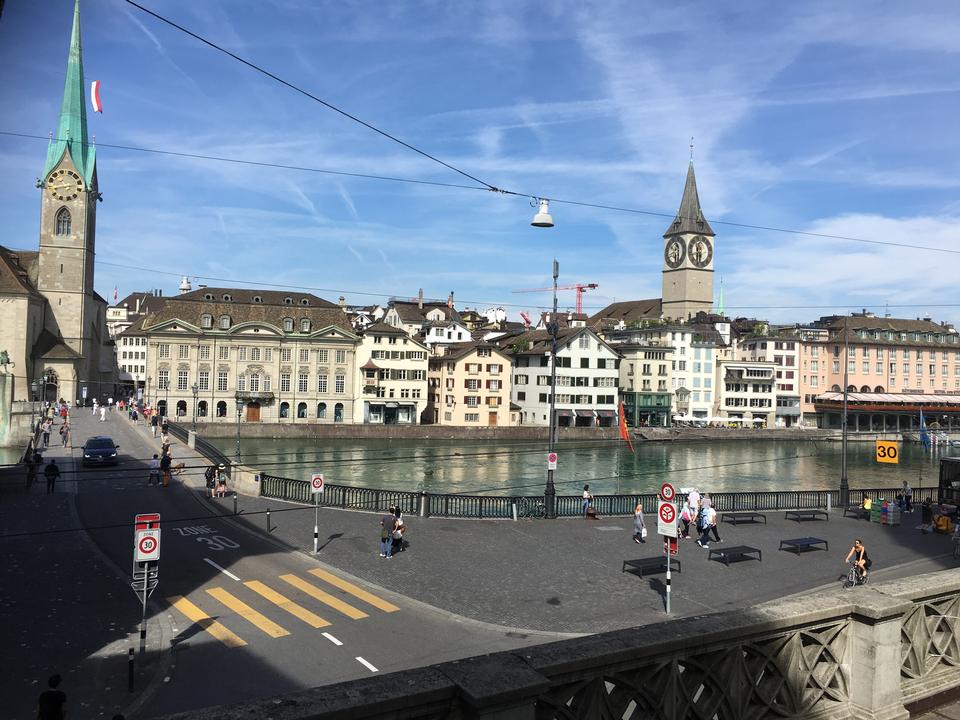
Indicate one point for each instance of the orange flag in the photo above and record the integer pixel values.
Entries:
(624, 435)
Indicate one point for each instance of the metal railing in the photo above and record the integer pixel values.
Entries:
(493, 506)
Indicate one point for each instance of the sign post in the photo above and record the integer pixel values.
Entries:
(667, 528)
(146, 550)
(551, 461)
(316, 487)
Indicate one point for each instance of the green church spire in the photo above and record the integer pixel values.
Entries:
(72, 130)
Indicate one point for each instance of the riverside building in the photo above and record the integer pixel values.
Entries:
(391, 377)
(470, 385)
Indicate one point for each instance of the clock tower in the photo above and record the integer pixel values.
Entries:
(688, 258)
(68, 229)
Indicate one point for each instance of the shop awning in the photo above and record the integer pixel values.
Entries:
(606, 413)
(391, 405)
(584, 413)
(564, 413)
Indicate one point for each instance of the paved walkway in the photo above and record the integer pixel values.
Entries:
(947, 712)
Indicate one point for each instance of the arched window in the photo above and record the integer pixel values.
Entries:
(321, 410)
(257, 299)
(208, 296)
(288, 301)
(878, 388)
(221, 409)
(865, 388)
(206, 321)
(226, 297)
(836, 388)
(63, 222)
(338, 412)
(181, 408)
(304, 325)
(284, 409)
(224, 322)
(301, 410)
(162, 408)
(255, 382)
(288, 324)
(202, 408)
(304, 301)
(851, 388)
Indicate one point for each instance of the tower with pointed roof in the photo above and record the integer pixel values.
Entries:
(688, 254)
(68, 221)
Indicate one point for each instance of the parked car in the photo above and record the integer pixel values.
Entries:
(100, 450)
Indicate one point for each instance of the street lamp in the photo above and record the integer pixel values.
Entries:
(195, 390)
(35, 390)
(550, 492)
(239, 410)
(844, 482)
(146, 400)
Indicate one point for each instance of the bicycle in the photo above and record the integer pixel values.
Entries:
(854, 577)
(531, 508)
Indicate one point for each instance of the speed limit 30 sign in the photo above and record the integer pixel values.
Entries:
(316, 483)
(147, 547)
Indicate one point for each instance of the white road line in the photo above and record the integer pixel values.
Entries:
(225, 572)
(363, 662)
(332, 639)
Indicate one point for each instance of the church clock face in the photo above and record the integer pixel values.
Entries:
(701, 252)
(65, 185)
(674, 253)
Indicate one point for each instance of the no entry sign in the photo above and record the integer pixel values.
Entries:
(147, 546)
(551, 461)
(666, 519)
(316, 483)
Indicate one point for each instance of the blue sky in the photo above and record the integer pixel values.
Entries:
(827, 117)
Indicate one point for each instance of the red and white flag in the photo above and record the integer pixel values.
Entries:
(95, 96)
(624, 433)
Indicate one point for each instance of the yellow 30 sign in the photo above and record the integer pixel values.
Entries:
(888, 451)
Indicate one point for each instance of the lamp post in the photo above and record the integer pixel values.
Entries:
(35, 388)
(146, 399)
(239, 409)
(844, 484)
(195, 390)
(550, 492)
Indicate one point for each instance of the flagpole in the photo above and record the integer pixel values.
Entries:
(844, 483)
(619, 443)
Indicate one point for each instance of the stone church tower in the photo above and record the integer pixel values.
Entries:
(688, 258)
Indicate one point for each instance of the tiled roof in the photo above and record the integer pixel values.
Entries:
(148, 302)
(629, 311)
(244, 296)
(381, 328)
(537, 342)
(50, 347)
(14, 272)
(412, 312)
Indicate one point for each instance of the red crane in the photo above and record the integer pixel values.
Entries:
(581, 288)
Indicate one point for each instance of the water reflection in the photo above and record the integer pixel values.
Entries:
(456, 466)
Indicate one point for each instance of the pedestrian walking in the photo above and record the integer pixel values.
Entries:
(639, 527)
(154, 470)
(708, 520)
(93, 408)
(388, 523)
(907, 492)
(32, 469)
(154, 424)
(707, 502)
(221, 480)
(52, 472)
(52, 701)
(165, 463)
(587, 500)
(65, 433)
(210, 475)
(103, 414)
(46, 433)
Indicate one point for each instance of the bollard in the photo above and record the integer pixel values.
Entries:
(130, 657)
(268, 520)
(514, 506)
(829, 501)
(234, 503)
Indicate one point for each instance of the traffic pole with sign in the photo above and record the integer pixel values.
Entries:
(316, 487)
(667, 528)
(146, 549)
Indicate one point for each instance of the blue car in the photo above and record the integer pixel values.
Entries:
(100, 450)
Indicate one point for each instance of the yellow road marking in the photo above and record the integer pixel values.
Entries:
(354, 590)
(313, 591)
(195, 614)
(248, 613)
(286, 604)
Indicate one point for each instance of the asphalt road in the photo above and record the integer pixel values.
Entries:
(243, 616)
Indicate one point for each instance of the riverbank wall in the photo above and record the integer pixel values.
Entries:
(688, 434)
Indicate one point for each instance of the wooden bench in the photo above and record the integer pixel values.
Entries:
(735, 551)
(650, 564)
(800, 515)
(738, 517)
(857, 511)
(804, 543)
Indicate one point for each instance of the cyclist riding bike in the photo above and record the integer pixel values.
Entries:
(860, 559)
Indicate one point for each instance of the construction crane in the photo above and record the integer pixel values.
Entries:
(581, 288)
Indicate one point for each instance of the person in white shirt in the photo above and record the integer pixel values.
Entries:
(154, 467)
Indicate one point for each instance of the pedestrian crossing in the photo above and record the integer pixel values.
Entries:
(223, 613)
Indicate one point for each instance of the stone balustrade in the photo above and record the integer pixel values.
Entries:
(860, 654)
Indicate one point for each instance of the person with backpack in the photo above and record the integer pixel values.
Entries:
(210, 475)
(154, 423)
(154, 477)
(165, 463)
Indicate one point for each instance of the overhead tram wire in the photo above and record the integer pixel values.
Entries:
(411, 181)
(329, 106)
(214, 516)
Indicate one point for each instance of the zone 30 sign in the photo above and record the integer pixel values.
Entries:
(888, 451)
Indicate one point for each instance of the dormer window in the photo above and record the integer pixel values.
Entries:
(208, 296)
(224, 322)
(288, 301)
(226, 297)
(288, 324)
(304, 325)
(304, 301)
(63, 222)
(206, 321)
(257, 300)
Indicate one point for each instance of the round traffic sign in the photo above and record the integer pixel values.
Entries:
(668, 513)
(667, 492)
(551, 457)
(148, 544)
(316, 482)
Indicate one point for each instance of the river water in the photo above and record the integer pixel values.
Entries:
(503, 468)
